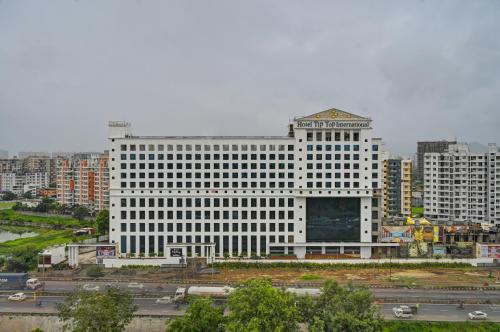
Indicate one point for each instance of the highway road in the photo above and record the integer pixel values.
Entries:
(393, 294)
(148, 306)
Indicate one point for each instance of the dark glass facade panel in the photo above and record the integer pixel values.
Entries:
(333, 219)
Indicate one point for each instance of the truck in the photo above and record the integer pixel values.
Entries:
(14, 281)
(222, 292)
(215, 292)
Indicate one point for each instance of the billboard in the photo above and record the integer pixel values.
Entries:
(494, 251)
(487, 251)
(461, 250)
(438, 250)
(105, 251)
(396, 234)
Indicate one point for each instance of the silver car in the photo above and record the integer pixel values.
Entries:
(91, 288)
(164, 300)
(478, 315)
(135, 285)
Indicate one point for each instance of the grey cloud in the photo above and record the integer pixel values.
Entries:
(420, 69)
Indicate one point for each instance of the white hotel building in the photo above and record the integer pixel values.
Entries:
(310, 192)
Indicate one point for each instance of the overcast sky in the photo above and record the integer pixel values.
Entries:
(421, 70)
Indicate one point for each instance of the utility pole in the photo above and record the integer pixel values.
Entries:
(390, 266)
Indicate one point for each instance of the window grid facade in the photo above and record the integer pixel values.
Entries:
(247, 195)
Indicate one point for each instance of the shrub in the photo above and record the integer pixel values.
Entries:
(95, 272)
(337, 266)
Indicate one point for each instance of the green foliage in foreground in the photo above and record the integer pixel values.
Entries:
(200, 316)
(256, 306)
(110, 311)
(414, 326)
(12, 215)
(338, 266)
(340, 309)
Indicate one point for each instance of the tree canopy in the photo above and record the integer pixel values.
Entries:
(102, 220)
(22, 260)
(200, 316)
(8, 196)
(80, 212)
(256, 306)
(346, 309)
(110, 311)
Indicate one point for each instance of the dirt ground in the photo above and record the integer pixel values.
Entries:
(424, 277)
(406, 277)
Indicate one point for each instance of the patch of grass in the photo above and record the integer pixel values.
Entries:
(420, 326)
(6, 205)
(404, 280)
(44, 239)
(11, 215)
(16, 229)
(417, 210)
(310, 277)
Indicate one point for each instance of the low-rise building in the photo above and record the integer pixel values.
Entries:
(22, 183)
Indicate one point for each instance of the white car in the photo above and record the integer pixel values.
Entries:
(91, 288)
(165, 300)
(17, 297)
(135, 285)
(478, 315)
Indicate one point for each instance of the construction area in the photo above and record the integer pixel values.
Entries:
(198, 272)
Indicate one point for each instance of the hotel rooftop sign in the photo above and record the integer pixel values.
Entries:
(332, 119)
(327, 124)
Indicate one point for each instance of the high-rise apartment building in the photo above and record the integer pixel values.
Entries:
(429, 147)
(84, 180)
(462, 185)
(397, 187)
(40, 164)
(308, 193)
(12, 165)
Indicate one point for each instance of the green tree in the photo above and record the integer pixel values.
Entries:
(45, 205)
(256, 305)
(22, 260)
(28, 195)
(80, 212)
(349, 309)
(110, 311)
(200, 316)
(102, 220)
(8, 196)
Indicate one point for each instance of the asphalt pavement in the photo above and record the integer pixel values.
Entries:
(393, 294)
(148, 306)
